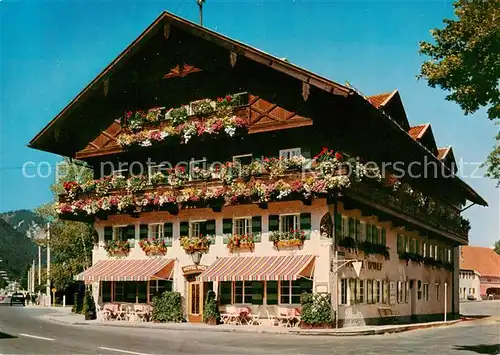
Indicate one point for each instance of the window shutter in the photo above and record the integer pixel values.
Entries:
(305, 224)
(383, 237)
(130, 235)
(417, 247)
(168, 233)
(369, 233)
(227, 226)
(358, 229)
(184, 229)
(256, 228)
(338, 225)
(108, 234)
(351, 227)
(210, 230)
(375, 234)
(143, 231)
(274, 223)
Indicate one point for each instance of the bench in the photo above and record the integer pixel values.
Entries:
(387, 312)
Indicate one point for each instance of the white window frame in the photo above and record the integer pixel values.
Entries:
(248, 225)
(361, 291)
(362, 232)
(344, 291)
(431, 251)
(115, 230)
(296, 222)
(436, 290)
(161, 230)
(378, 285)
(152, 167)
(424, 251)
(344, 226)
(193, 164)
(192, 223)
(425, 289)
(288, 153)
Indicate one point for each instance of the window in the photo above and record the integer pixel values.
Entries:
(375, 234)
(361, 291)
(369, 233)
(272, 292)
(401, 243)
(142, 287)
(249, 292)
(243, 159)
(400, 292)
(376, 291)
(119, 172)
(157, 287)
(291, 290)
(225, 292)
(407, 291)
(385, 291)
(156, 231)
(419, 289)
(125, 233)
(289, 222)
(345, 227)
(362, 231)
(119, 291)
(426, 292)
(407, 244)
(288, 153)
(242, 226)
(424, 246)
(369, 291)
(195, 229)
(352, 291)
(343, 291)
(436, 250)
(436, 288)
(194, 168)
(106, 291)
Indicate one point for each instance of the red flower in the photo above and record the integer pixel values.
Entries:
(338, 156)
(219, 99)
(228, 98)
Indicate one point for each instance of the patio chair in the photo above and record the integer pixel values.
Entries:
(140, 313)
(130, 315)
(286, 316)
(121, 312)
(273, 320)
(103, 314)
(254, 318)
(244, 314)
(230, 316)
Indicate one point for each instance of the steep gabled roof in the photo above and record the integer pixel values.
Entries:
(443, 152)
(379, 99)
(237, 47)
(483, 260)
(416, 132)
(391, 104)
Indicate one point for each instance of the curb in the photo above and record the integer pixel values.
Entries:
(376, 331)
(264, 331)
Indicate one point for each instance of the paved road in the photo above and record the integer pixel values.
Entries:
(23, 332)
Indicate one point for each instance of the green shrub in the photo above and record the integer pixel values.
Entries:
(316, 309)
(77, 303)
(211, 311)
(168, 307)
(89, 306)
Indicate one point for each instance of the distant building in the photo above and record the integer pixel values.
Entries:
(479, 271)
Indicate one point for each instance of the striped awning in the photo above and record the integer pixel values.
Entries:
(259, 268)
(128, 270)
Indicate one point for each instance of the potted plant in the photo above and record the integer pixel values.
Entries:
(193, 244)
(293, 238)
(211, 313)
(117, 247)
(153, 246)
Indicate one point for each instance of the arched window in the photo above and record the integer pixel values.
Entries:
(326, 226)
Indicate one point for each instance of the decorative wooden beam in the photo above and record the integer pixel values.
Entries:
(166, 31)
(306, 88)
(181, 70)
(232, 58)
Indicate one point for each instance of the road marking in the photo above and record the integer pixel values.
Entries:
(36, 337)
(122, 351)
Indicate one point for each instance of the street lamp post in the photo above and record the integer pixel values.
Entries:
(48, 266)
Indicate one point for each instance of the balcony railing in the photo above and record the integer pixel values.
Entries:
(437, 215)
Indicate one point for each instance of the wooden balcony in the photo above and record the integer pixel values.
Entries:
(443, 220)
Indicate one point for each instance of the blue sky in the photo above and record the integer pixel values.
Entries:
(51, 50)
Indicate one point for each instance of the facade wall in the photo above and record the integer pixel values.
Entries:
(490, 287)
(392, 271)
(469, 285)
(316, 245)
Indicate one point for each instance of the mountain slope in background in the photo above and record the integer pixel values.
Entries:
(22, 220)
(17, 251)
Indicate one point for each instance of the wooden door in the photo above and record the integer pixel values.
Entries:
(195, 302)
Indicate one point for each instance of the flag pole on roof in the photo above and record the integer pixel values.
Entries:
(200, 5)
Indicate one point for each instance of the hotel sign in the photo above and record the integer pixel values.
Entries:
(193, 269)
(370, 265)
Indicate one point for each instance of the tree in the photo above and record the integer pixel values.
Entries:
(497, 247)
(465, 60)
(71, 242)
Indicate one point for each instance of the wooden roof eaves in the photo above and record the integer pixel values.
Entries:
(394, 125)
(238, 47)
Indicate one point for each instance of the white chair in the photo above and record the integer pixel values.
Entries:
(102, 314)
(273, 320)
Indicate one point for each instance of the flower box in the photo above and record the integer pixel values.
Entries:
(289, 243)
(153, 247)
(240, 242)
(194, 244)
(117, 248)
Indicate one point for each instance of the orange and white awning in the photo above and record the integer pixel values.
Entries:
(128, 270)
(259, 268)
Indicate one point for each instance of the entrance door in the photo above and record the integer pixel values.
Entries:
(195, 302)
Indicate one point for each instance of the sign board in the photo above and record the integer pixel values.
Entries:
(392, 293)
(193, 269)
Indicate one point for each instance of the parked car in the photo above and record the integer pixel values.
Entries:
(471, 297)
(17, 298)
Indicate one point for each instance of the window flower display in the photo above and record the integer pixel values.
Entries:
(237, 242)
(193, 244)
(117, 247)
(153, 246)
(293, 238)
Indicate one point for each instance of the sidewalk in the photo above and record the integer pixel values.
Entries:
(64, 316)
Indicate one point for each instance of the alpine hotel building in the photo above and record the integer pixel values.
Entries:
(266, 183)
